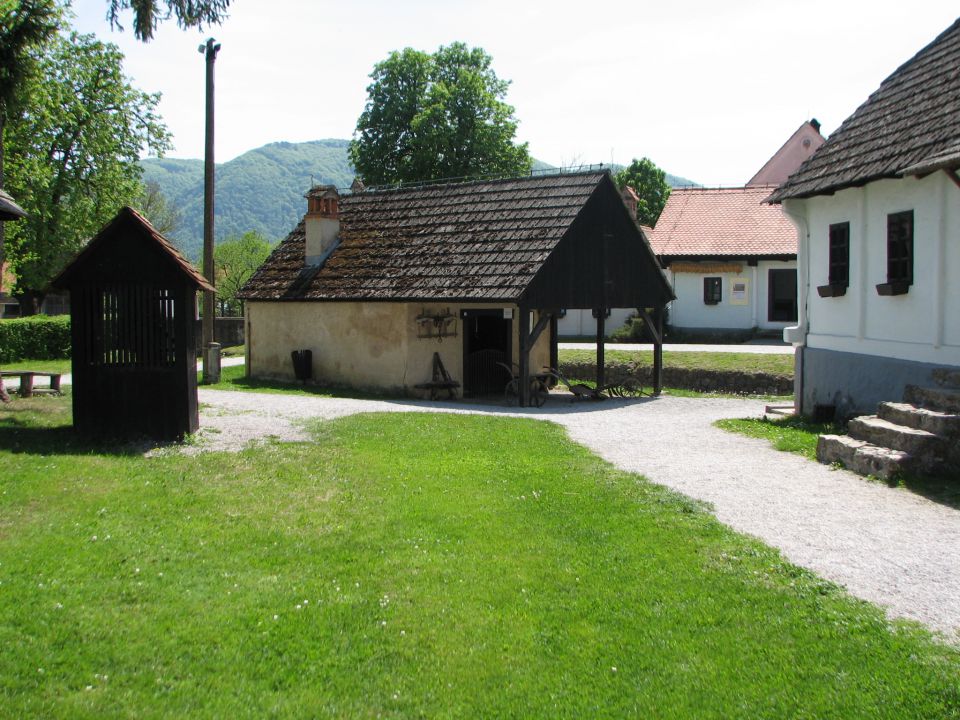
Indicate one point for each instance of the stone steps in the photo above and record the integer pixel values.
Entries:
(935, 398)
(920, 435)
(877, 431)
(933, 421)
(863, 457)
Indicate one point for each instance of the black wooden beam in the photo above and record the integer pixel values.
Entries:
(542, 323)
(601, 323)
(523, 322)
(657, 350)
(650, 324)
(554, 345)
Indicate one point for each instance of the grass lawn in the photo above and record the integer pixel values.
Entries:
(744, 362)
(791, 434)
(233, 377)
(413, 565)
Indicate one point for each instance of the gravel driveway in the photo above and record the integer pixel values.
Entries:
(886, 545)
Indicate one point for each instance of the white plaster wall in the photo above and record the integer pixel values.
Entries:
(921, 325)
(581, 323)
(689, 310)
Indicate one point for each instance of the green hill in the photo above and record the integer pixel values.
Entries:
(261, 190)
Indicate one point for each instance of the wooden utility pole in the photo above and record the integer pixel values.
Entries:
(211, 364)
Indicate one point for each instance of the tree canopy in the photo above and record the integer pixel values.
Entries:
(650, 184)
(147, 14)
(436, 116)
(73, 147)
(235, 260)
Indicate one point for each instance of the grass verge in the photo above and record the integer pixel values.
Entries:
(741, 362)
(414, 565)
(794, 434)
(52, 366)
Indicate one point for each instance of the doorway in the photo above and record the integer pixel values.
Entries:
(782, 296)
(486, 342)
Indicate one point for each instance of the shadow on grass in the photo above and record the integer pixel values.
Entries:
(43, 426)
(944, 490)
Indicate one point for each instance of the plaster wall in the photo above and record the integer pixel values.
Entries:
(582, 323)
(689, 311)
(855, 383)
(919, 326)
(363, 345)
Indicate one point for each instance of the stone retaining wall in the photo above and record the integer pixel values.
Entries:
(721, 381)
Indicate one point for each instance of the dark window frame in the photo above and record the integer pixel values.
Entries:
(838, 263)
(712, 290)
(900, 234)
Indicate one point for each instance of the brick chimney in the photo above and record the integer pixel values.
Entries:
(630, 199)
(322, 222)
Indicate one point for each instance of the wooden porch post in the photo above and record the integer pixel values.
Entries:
(658, 351)
(554, 345)
(523, 325)
(601, 332)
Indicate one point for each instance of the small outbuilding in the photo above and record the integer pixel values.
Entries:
(133, 311)
(375, 283)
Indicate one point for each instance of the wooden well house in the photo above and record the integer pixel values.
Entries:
(133, 316)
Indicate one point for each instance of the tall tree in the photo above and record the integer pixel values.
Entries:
(24, 24)
(147, 14)
(235, 260)
(155, 207)
(74, 149)
(650, 184)
(436, 116)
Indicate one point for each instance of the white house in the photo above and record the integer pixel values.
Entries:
(877, 213)
(730, 258)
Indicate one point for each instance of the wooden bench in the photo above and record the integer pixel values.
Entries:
(441, 380)
(26, 382)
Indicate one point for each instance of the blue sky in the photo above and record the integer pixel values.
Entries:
(708, 90)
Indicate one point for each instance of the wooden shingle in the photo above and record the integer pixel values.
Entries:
(474, 240)
(902, 128)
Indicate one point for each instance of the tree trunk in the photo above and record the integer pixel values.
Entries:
(30, 302)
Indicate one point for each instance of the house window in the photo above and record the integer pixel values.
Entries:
(782, 295)
(839, 262)
(712, 290)
(899, 254)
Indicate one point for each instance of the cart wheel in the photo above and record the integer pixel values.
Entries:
(511, 393)
(632, 388)
(538, 392)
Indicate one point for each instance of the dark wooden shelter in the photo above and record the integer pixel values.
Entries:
(133, 316)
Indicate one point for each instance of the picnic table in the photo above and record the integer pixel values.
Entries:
(27, 388)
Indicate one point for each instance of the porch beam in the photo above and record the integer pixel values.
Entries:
(651, 325)
(657, 349)
(601, 332)
(524, 376)
(542, 323)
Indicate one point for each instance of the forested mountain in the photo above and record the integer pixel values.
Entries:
(261, 190)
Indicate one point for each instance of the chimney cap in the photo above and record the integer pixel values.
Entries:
(322, 191)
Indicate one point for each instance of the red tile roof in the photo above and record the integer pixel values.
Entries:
(714, 222)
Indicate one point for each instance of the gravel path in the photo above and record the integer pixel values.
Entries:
(885, 545)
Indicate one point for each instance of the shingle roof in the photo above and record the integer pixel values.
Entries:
(126, 216)
(9, 210)
(909, 120)
(715, 222)
(481, 240)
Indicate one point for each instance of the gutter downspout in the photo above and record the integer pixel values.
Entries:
(796, 335)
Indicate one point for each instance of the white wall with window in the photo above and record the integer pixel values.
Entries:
(762, 295)
(902, 298)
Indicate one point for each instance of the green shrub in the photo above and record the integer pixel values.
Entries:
(37, 337)
(631, 331)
